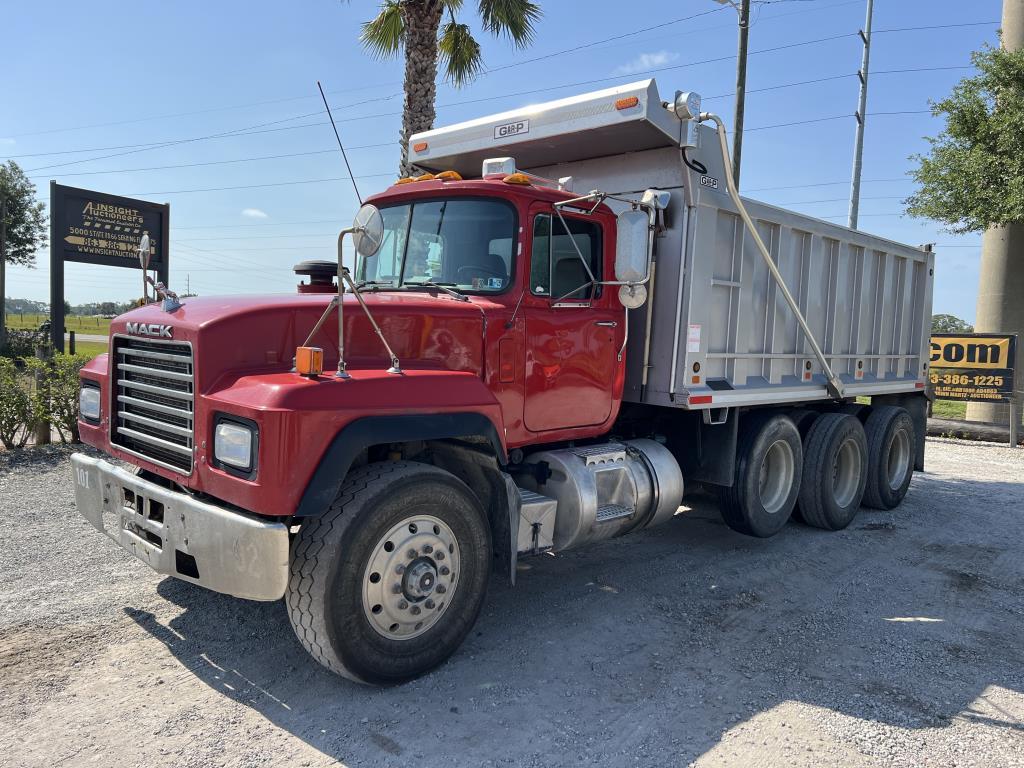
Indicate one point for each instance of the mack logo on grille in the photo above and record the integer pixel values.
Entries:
(150, 329)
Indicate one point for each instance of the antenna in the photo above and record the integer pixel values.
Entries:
(340, 145)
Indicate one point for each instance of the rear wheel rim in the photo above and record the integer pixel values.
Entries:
(411, 577)
(775, 479)
(899, 459)
(846, 472)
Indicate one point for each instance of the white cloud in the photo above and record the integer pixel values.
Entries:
(254, 213)
(646, 61)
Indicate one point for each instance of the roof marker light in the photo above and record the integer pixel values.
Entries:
(449, 176)
(419, 146)
(517, 178)
(627, 103)
(425, 177)
(406, 180)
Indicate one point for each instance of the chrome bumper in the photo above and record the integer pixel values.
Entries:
(179, 536)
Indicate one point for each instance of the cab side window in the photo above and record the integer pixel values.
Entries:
(555, 266)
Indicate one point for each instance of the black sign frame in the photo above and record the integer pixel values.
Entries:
(62, 251)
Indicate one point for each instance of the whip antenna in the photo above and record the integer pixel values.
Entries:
(340, 145)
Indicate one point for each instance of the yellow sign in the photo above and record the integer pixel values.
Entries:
(975, 352)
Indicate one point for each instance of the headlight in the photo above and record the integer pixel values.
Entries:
(233, 445)
(89, 402)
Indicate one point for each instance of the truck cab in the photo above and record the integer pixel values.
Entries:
(541, 336)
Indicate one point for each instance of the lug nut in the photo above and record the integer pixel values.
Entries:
(412, 553)
(445, 570)
(428, 604)
(415, 610)
(427, 549)
(439, 555)
(396, 589)
(441, 589)
(400, 569)
(402, 605)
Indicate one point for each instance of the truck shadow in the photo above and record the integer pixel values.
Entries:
(653, 646)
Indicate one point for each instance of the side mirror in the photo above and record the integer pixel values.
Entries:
(368, 230)
(632, 246)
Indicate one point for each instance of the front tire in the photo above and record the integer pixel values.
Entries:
(389, 581)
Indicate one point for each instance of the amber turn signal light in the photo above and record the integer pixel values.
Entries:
(627, 103)
(309, 361)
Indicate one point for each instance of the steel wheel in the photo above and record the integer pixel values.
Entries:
(898, 460)
(411, 576)
(776, 477)
(847, 472)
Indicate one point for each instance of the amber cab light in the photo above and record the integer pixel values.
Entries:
(627, 103)
(309, 361)
(517, 178)
(449, 176)
(426, 177)
(419, 146)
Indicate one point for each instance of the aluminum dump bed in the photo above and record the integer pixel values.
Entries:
(717, 331)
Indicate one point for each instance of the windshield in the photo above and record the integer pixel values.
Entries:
(463, 243)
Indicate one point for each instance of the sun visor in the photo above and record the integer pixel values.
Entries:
(626, 118)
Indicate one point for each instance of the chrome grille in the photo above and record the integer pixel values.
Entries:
(153, 401)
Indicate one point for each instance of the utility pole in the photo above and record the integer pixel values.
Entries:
(862, 103)
(3, 271)
(743, 11)
(1001, 282)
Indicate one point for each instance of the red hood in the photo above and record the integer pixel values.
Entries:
(245, 334)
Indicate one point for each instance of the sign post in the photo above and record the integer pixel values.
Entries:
(97, 228)
(976, 367)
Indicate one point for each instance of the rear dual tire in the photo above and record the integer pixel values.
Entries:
(835, 471)
(769, 464)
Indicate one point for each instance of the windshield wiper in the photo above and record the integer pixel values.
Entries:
(441, 286)
(375, 284)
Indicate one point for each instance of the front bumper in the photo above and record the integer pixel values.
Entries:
(177, 535)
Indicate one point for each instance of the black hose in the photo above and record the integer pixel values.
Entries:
(694, 165)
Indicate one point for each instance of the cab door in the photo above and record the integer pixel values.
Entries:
(573, 330)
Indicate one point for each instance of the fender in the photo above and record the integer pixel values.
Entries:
(323, 487)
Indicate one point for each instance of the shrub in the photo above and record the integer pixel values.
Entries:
(22, 343)
(19, 409)
(56, 395)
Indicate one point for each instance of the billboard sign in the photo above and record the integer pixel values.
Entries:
(97, 228)
(977, 367)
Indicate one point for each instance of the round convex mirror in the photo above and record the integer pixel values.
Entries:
(368, 230)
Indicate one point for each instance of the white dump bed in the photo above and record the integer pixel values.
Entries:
(717, 331)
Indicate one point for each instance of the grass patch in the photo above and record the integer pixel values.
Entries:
(949, 409)
(78, 324)
(90, 348)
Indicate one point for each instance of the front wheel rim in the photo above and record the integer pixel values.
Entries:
(411, 577)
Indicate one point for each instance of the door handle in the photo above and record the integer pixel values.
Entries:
(606, 323)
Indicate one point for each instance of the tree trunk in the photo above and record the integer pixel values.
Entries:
(1000, 308)
(422, 20)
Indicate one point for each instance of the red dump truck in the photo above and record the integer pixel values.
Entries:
(568, 316)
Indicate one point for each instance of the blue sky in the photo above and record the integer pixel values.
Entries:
(113, 74)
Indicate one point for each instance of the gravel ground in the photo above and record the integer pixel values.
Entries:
(895, 642)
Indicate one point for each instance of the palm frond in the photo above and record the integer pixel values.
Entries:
(513, 19)
(384, 35)
(452, 6)
(459, 53)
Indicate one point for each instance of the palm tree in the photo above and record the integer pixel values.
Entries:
(415, 27)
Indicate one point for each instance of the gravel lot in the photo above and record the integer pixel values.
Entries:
(899, 641)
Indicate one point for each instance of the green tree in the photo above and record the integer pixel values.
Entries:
(26, 216)
(950, 324)
(415, 27)
(973, 176)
